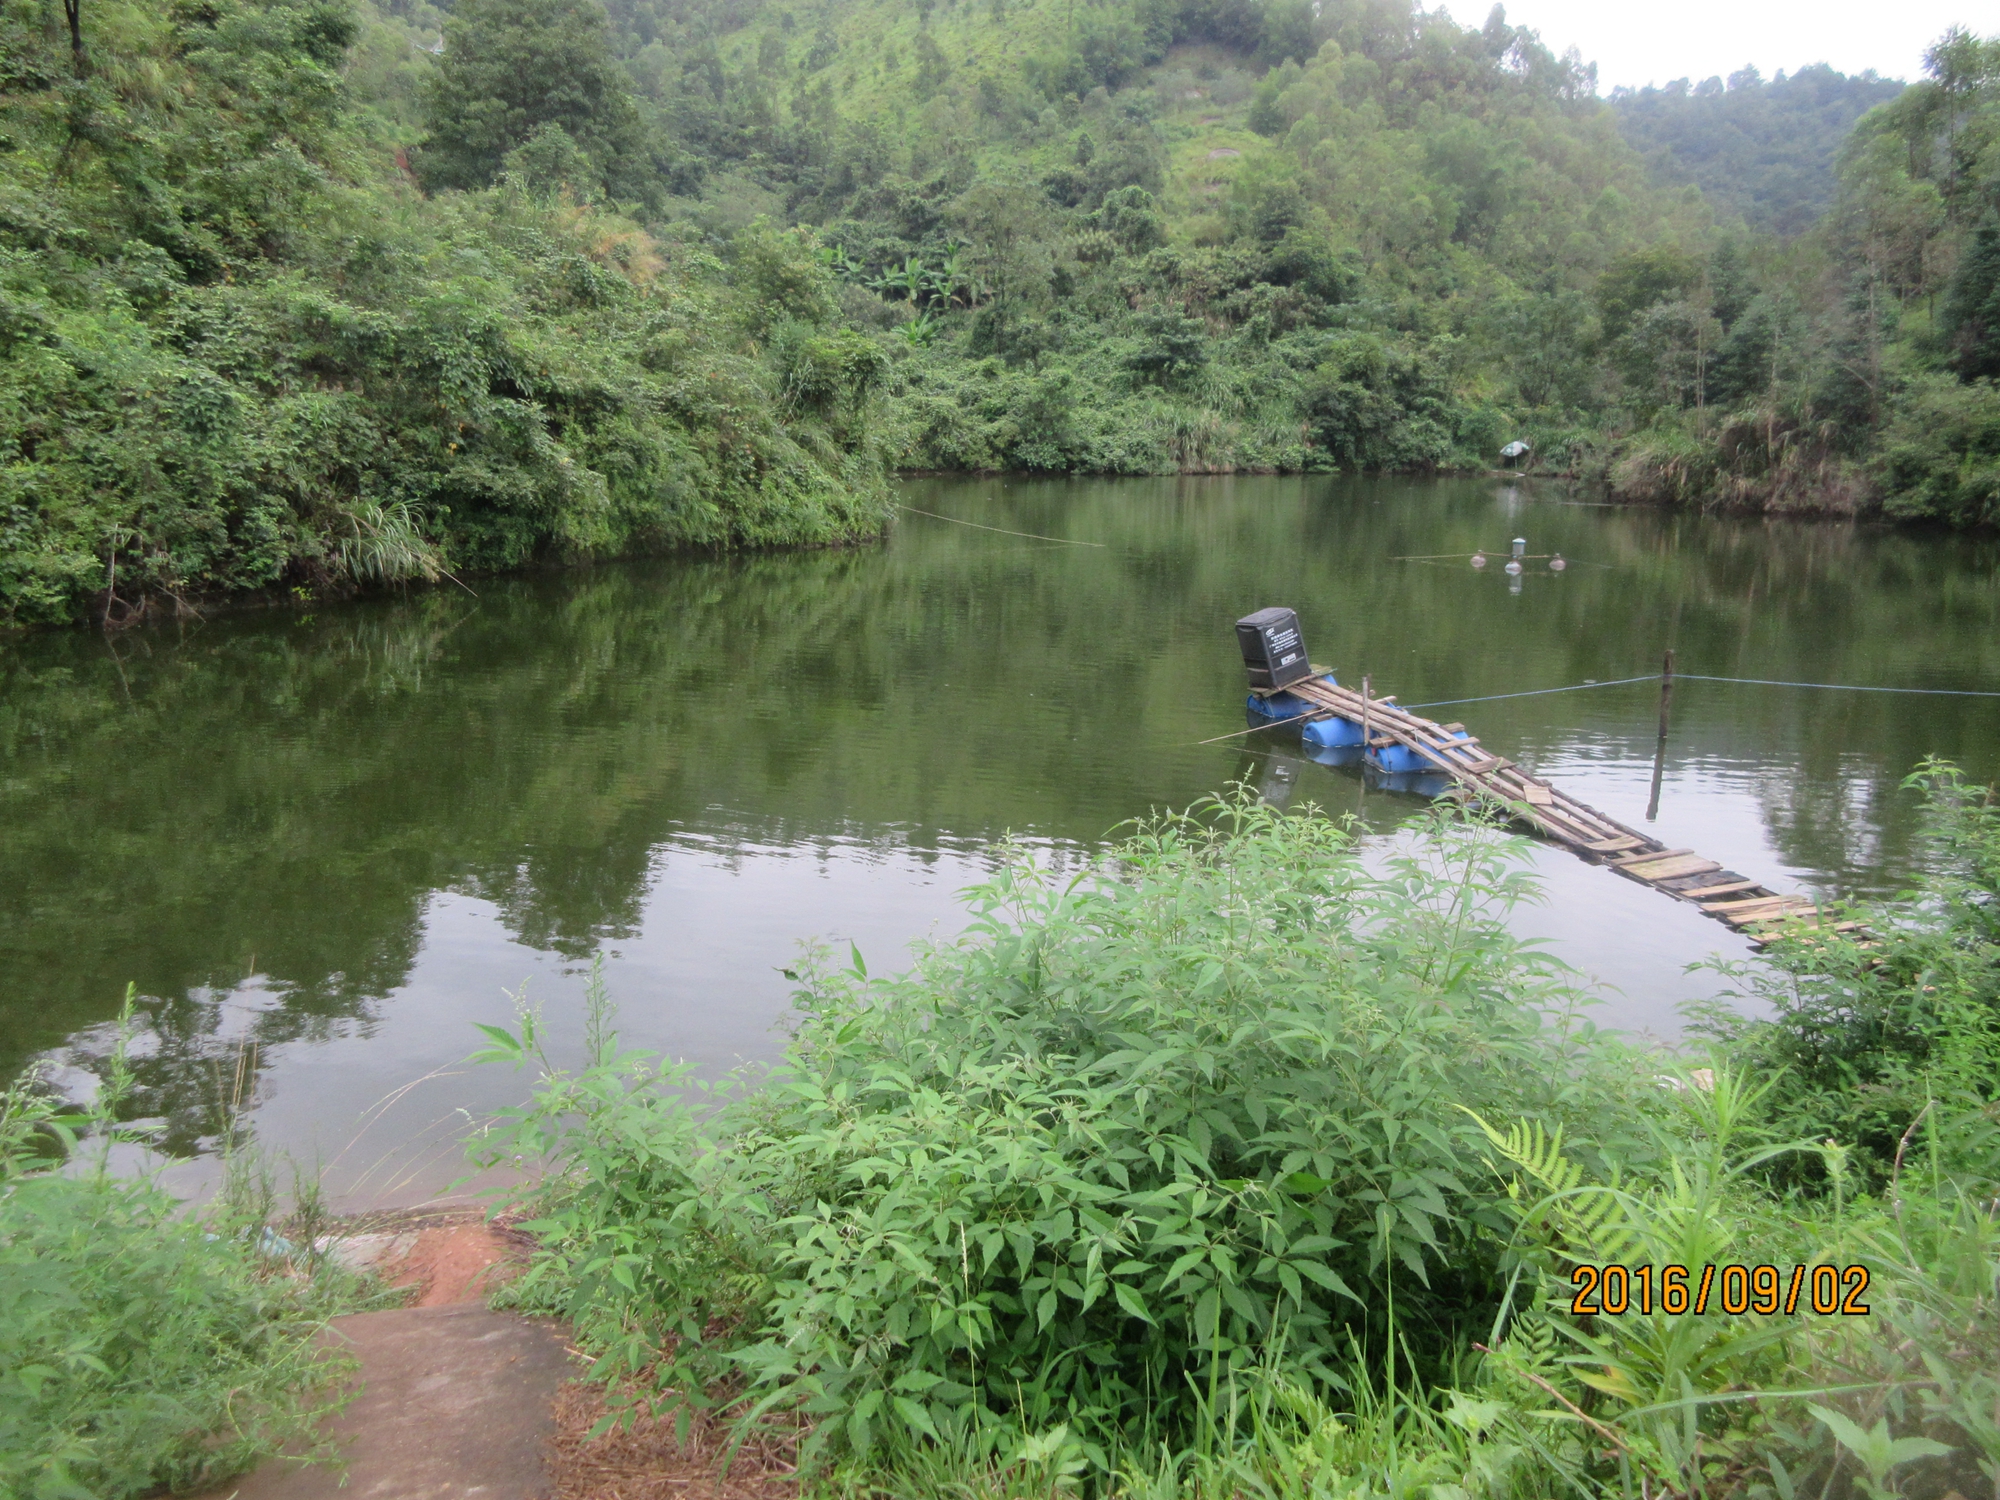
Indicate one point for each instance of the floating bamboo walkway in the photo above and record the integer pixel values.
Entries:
(1750, 907)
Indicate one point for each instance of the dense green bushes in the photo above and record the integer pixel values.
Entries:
(137, 1349)
(235, 354)
(1941, 453)
(1119, 1138)
(1234, 1169)
(1864, 1041)
(140, 1345)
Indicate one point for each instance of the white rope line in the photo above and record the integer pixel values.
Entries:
(1842, 687)
(1003, 531)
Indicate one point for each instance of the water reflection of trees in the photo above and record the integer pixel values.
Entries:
(281, 795)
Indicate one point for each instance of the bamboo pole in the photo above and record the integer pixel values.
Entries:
(1660, 747)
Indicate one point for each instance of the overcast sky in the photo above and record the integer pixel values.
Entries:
(1637, 44)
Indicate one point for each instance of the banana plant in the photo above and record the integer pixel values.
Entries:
(953, 276)
(910, 280)
(836, 259)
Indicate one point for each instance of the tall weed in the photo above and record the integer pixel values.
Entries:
(1095, 1159)
(1868, 1035)
(1778, 1401)
(141, 1346)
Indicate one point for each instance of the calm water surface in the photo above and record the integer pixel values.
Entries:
(323, 845)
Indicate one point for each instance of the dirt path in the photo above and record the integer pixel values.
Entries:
(453, 1401)
(456, 1402)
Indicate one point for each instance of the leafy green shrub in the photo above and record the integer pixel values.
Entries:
(1172, 348)
(1133, 1132)
(1941, 454)
(1866, 1041)
(140, 1345)
(1236, 1169)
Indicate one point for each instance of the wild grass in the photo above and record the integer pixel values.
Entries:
(143, 1346)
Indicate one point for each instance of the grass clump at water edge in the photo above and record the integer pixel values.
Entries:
(144, 1347)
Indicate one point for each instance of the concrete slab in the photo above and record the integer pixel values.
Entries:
(454, 1403)
(367, 1252)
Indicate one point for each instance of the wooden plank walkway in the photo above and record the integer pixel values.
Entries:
(1746, 905)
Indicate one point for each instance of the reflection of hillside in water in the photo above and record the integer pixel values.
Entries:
(280, 795)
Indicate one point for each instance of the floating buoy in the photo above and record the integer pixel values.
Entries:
(1479, 559)
(1556, 563)
(1520, 547)
(1513, 568)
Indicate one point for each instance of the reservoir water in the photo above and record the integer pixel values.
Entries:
(323, 842)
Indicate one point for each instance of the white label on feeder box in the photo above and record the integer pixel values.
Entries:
(1281, 640)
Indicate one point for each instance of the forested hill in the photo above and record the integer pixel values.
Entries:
(1139, 235)
(240, 350)
(299, 297)
(1145, 235)
(1760, 149)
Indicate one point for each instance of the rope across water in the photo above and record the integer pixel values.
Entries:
(1578, 687)
(1833, 687)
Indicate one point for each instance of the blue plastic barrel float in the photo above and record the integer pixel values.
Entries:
(1401, 760)
(1339, 755)
(1284, 705)
(1332, 733)
(1428, 784)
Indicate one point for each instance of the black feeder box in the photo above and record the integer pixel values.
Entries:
(1274, 653)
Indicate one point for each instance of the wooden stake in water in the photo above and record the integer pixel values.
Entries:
(1366, 734)
(1660, 748)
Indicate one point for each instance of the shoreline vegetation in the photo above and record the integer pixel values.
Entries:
(144, 1346)
(303, 297)
(1232, 1168)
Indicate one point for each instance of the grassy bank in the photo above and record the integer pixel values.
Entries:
(1233, 1168)
(144, 1347)
(240, 350)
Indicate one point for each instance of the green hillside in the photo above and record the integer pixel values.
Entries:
(240, 350)
(304, 298)
(1135, 237)
(1763, 150)
(1199, 234)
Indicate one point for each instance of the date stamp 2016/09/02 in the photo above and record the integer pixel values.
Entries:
(1612, 1291)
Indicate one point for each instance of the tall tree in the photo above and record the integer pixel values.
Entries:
(1971, 316)
(73, 16)
(511, 67)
